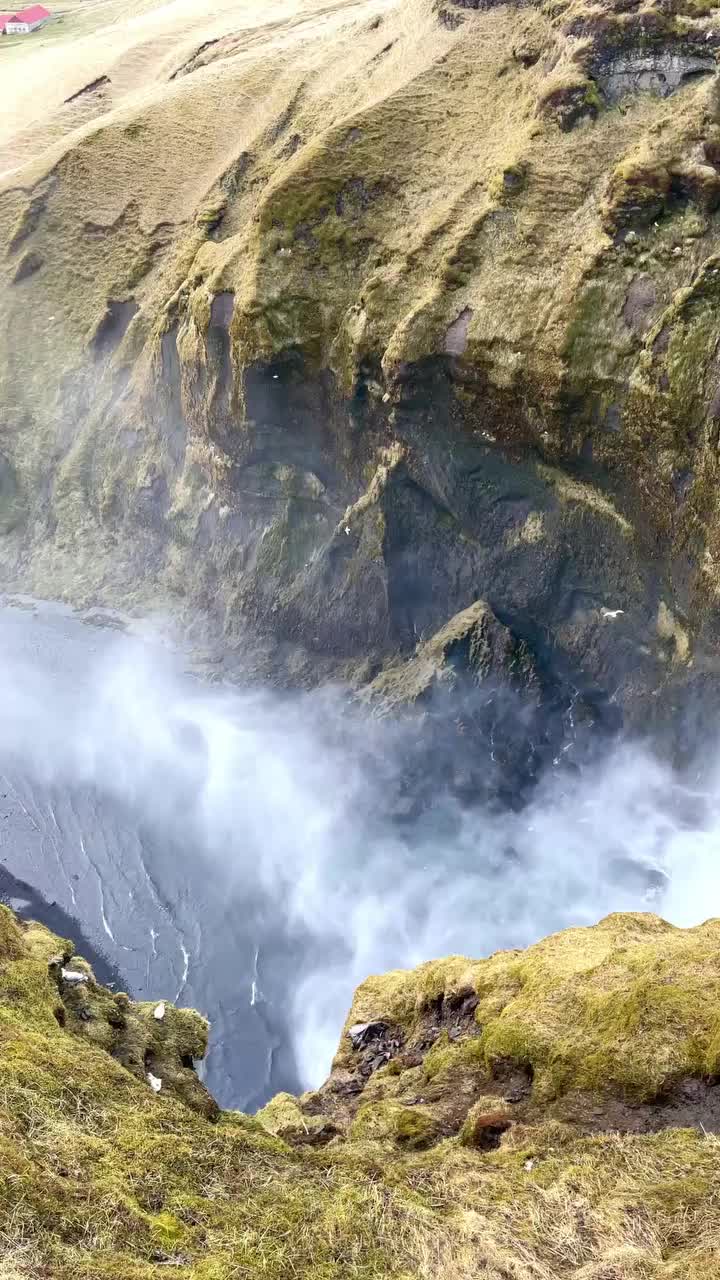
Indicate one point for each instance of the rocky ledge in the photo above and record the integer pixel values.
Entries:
(547, 1113)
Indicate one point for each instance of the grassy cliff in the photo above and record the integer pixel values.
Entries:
(334, 319)
(548, 1113)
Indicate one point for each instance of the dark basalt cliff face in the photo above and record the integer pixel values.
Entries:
(433, 322)
(552, 1112)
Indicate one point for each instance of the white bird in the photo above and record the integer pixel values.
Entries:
(347, 529)
(159, 1011)
(611, 614)
(154, 1081)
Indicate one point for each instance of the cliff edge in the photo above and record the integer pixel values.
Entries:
(545, 1113)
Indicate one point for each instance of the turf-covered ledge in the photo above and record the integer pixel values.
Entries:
(628, 1007)
(46, 990)
(101, 1178)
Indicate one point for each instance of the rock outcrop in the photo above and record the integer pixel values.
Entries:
(553, 1112)
(332, 322)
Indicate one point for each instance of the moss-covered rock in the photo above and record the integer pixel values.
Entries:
(61, 991)
(472, 643)
(485, 1123)
(629, 1009)
(284, 1117)
(410, 1127)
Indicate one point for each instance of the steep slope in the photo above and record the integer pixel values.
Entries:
(332, 320)
(549, 1113)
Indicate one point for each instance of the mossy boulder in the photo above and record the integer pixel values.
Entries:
(284, 1117)
(473, 643)
(567, 97)
(65, 994)
(637, 192)
(409, 1127)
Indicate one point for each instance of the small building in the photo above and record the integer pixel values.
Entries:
(27, 20)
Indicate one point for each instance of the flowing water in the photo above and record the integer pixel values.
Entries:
(250, 853)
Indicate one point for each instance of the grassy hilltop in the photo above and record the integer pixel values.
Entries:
(541, 1114)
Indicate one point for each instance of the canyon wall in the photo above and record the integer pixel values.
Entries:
(329, 323)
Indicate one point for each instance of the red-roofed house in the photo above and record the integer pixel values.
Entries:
(21, 24)
(4, 19)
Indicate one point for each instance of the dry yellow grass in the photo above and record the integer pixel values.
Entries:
(137, 45)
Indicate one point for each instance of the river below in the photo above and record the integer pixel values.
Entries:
(243, 852)
(154, 915)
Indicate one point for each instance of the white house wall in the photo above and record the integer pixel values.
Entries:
(23, 28)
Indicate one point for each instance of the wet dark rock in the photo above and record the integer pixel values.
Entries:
(12, 505)
(98, 85)
(221, 310)
(114, 324)
(28, 265)
(457, 334)
(363, 1033)
(640, 304)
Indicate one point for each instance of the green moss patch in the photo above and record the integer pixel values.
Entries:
(629, 1008)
